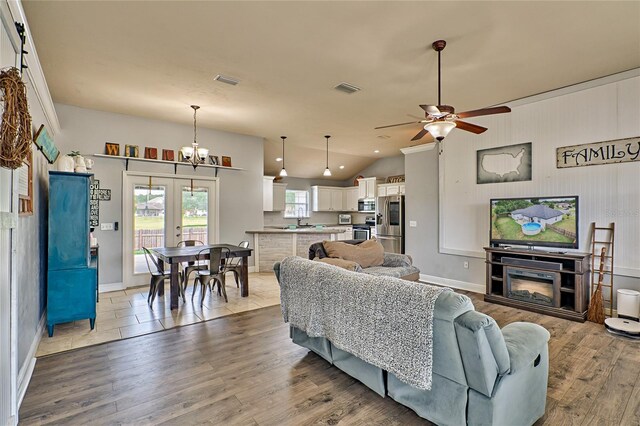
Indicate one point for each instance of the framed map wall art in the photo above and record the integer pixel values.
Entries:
(511, 163)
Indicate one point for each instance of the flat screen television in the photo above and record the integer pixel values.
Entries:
(535, 221)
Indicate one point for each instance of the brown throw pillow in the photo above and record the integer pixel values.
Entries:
(345, 264)
(366, 254)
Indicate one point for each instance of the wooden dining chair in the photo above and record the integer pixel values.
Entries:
(189, 267)
(234, 265)
(214, 272)
(157, 276)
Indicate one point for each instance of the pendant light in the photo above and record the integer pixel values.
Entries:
(283, 172)
(192, 153)
(327, 172)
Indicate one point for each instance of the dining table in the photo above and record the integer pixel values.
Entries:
(173, 256)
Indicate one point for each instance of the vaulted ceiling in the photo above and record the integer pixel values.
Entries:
(155, 58)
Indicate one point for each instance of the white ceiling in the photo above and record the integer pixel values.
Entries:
(154, 59)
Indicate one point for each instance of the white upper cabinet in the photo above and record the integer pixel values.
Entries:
(327, 199)
(385, 189)
(367, 188)
(273, 195)
(350, 199)
(336, 199)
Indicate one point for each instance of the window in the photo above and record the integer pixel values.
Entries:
(296, 203)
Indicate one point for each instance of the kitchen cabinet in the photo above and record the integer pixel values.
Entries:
(390, 189)
(367, 188)
(273, 195)
(346, 235)
(326, 199)
(350, 199)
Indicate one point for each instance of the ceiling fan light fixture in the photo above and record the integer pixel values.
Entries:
(440, 129)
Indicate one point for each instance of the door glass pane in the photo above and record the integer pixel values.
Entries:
(195, 214)
(148, 223)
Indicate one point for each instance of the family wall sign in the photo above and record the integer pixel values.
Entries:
(592, 154)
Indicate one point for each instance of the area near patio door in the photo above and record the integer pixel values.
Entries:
(160, 212)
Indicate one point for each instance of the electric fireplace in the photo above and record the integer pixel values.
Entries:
(532, 286)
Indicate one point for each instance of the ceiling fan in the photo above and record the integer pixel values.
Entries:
(441, 119)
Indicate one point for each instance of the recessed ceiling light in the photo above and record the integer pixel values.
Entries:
(224, 79)
(342, 167)
(376, 151)
(347, 88)
(279, 159)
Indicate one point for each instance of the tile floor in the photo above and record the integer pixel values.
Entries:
(125, 313)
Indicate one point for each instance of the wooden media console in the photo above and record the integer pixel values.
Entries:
(552, 283)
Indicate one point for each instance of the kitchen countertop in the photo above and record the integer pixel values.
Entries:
(327, 230)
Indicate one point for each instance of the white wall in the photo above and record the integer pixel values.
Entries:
(607, 193)
(240, 191)
(383, 168)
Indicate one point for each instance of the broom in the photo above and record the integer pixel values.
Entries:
(596, 306)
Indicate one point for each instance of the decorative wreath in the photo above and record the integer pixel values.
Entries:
(15, 129)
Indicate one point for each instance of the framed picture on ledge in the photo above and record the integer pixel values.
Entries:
(214, 160)
(226, 161)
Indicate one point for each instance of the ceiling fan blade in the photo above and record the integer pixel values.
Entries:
(473, 128)
(431, 109)
(484, 111)
(416, 117)
(394, 125)
(420, 135)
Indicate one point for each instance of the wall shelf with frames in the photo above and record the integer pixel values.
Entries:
(175, 163)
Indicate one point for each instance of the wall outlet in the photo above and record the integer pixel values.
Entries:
(106, 226)
(466, 265)
(413, 223)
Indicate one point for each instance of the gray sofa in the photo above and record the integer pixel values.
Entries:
(395, 265)
(482, 375)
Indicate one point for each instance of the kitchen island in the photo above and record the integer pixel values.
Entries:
(271, 245)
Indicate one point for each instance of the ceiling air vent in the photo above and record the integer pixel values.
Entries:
(347, 88)
(224, 79)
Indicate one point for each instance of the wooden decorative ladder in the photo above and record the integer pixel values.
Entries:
(603, 238)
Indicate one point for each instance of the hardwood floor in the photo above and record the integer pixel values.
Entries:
(243, 369)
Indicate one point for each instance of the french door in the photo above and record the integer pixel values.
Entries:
(161, 211)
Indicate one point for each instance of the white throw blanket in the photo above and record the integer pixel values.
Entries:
(387, 322)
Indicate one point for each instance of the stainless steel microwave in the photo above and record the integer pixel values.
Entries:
(367, 206)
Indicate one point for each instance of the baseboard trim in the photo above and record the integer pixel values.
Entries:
(25, 373)
(105, 288)
(448, 282)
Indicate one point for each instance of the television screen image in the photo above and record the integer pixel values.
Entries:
(542, 221)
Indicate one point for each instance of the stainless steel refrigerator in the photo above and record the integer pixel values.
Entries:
(390, 223)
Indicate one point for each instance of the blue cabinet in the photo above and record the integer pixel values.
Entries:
(71, 280)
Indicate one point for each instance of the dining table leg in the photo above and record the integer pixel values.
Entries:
(175, 289)
(160, 289)
(244, 276)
